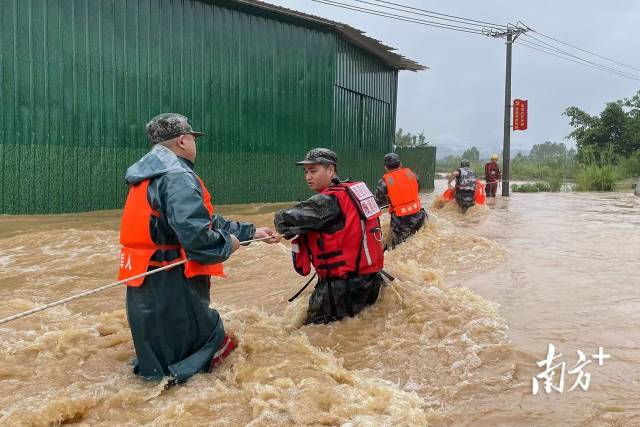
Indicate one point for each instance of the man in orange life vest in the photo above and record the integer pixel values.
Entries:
(339, 234)
(168, 216)
(400, 189)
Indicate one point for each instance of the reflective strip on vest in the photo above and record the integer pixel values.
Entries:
(365, 245)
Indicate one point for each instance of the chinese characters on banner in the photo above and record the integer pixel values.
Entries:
(556, 372)
(520, 110)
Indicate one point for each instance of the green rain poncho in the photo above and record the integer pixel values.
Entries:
(175, 332)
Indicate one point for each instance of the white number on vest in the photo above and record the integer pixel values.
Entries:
(125, 264)
(367, 202)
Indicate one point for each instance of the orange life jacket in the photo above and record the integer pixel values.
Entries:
(479, 196)
(449, 194)
(356, 249)
(137, 245)
(403, 190)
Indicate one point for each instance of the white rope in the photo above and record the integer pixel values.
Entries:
(102, 288)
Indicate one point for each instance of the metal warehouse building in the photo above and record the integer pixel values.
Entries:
(79, 80)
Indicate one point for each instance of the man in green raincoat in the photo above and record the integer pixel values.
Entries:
(168, 216)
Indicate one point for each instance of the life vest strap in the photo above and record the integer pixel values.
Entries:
(331, 266)
(328, 255)
(167, 247)
(163, 263)
(297, 294)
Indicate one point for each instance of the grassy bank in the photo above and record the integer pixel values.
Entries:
(532, 187)
(597, 178)
(626, 185)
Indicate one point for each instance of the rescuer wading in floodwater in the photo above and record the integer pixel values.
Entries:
(168, 216)
(339, 234)
(400, 189)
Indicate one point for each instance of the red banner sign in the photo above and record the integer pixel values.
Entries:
(520, 107)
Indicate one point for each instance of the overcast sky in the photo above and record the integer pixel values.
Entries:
(458, 102)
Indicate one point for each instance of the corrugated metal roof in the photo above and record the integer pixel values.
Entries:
(351, 34)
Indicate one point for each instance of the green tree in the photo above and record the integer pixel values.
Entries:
(617, 126)
(632, 105)
(403, 139)
(422, 140)
(409, 140)
(448, 164)
(548, 151)
(471, 154)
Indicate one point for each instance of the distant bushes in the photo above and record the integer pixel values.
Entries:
(523, 168)
(532, 187)
(608, 143)
(630, 166)
(555, 183)
(596, 178)
(598, 170)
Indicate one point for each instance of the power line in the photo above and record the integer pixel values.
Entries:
(586, 51)
(401, 17)
(472, 28)
(577, 57)
(442, 14)
(510, 32)
(431, 14)
(467, 21)
(550, 46)
(549, 52)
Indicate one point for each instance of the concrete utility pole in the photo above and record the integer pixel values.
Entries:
(511, 34)
(506, 140)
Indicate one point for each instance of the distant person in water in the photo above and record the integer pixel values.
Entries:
(492, 175)
(400, 189)
(465, 184)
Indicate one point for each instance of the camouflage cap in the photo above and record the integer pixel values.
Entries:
(319, 155)
(166, 126)
(391, 160)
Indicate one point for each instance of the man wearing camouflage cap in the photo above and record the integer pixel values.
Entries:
(338, 232)
(168, 217)
(400, 189)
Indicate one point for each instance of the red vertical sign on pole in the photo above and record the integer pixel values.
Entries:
(520, 107)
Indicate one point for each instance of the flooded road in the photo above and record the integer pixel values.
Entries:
(453, 341)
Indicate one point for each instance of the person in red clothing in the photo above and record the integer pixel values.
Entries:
(492, 175)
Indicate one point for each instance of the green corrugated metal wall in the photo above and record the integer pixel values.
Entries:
(365, 118)
(79, 79)
(422, 160)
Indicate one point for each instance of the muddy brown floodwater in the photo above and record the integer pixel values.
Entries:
(453, 341)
